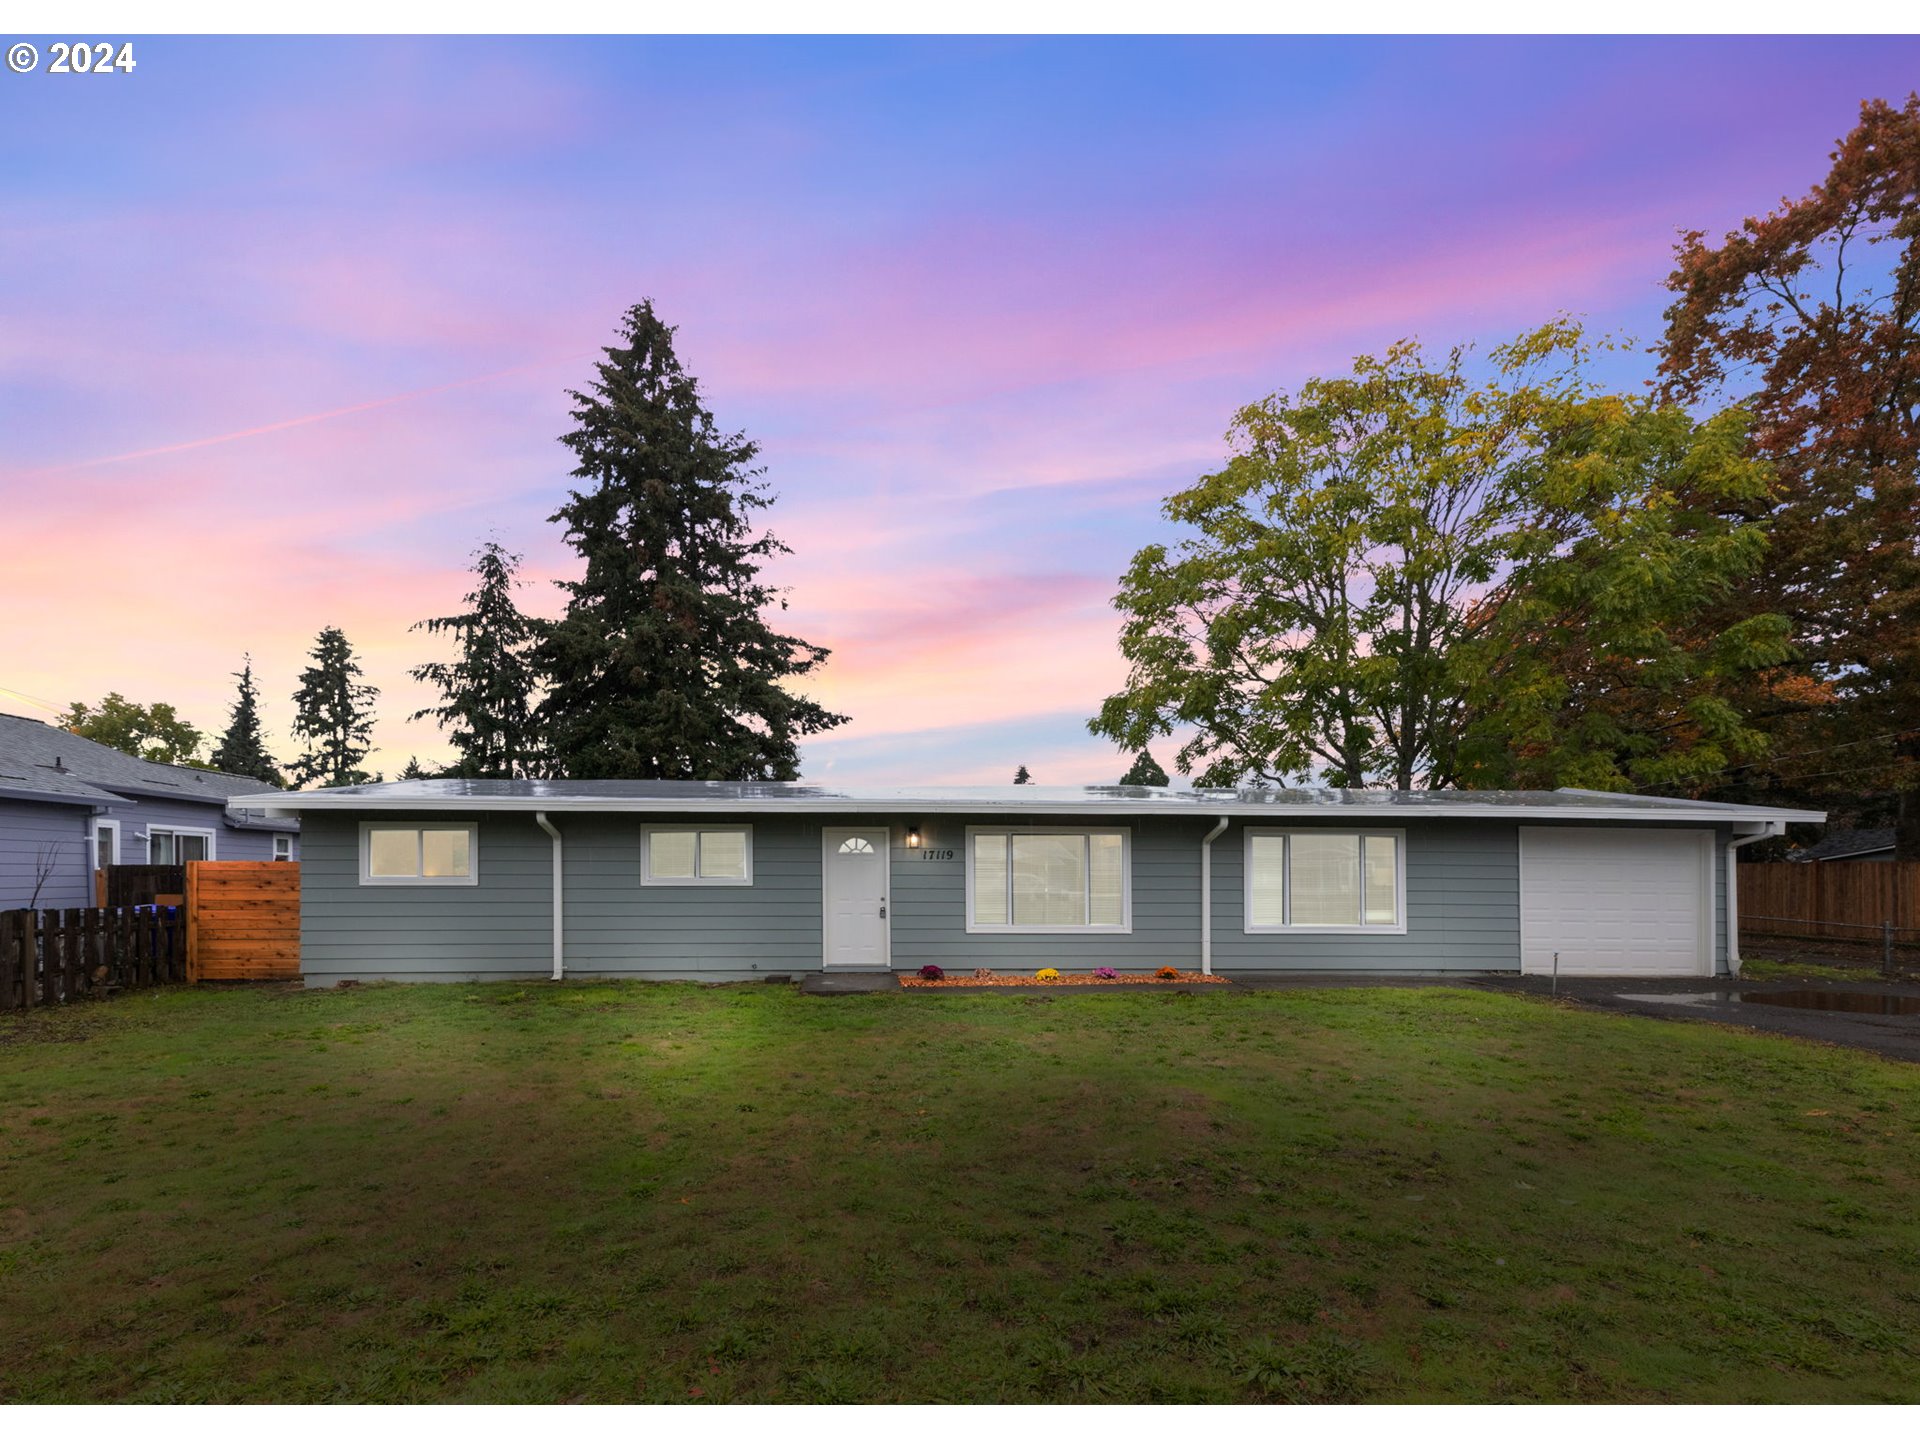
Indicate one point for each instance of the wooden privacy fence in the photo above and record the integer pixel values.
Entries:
(51, 957)
(243, 920)
(1831, 899)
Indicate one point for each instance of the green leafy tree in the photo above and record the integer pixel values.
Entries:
(243, 748)
(1338, 605)
(1590, 664)
(1145, 771)
(1021, 777)
(1809, 317)
(487, 692)
(151, 732)
(664, 665)
(333, 715)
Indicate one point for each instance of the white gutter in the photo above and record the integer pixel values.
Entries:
(1206, 895)
(1768, 829)
(559, 880)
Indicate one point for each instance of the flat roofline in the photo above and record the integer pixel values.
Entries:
(1646, 809)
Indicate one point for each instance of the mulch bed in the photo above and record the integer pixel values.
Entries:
(970, 982)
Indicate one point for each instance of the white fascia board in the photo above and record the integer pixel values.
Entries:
(1694, 812)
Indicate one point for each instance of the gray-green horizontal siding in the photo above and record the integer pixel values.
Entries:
(617, 926)
(930, 904)
(1463, 903)
(1463, 906)
(500, 928)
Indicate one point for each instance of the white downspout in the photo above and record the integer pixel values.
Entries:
(1768, 829)
(1206, 895)
(559, 874)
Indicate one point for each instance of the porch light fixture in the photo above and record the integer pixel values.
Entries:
(913, 837)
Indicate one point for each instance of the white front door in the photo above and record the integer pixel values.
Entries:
(1616, 902)
(854, 870)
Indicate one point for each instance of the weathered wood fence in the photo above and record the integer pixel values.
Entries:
(243, 920)
(51, 957)
(1831, 899)
(139, 884)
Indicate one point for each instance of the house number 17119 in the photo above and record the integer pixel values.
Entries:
(936, 854)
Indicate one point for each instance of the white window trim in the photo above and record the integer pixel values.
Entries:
(277, 841)
(472, 877)
(647, 832)
(1125, 927)
(100, 828)
(1399, 838)
(211, 837)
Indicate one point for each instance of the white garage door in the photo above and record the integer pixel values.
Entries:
(1616, 902)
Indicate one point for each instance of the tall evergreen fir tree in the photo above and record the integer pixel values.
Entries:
(1146, 771)
(243, 749)
(333, 714)
(487, 694)
(664, 666)
(1021, 777)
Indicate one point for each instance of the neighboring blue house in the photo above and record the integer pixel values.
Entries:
(69, 805)
(504, 879)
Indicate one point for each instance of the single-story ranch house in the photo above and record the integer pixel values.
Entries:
(485, 879)
(70, 806)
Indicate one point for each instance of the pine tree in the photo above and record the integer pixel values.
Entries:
(663, 667)
(1021, 777)
(1146, 771)
(487, 693)
(415, 770)
(243, 749)
(333, 713)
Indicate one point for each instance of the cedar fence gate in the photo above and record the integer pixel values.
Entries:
(243, 920)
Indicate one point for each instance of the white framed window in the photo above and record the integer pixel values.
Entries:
(696, 855)
(106, 843)
(426, 853)
(283, 847)
(1326, 881)
(176, 845)
(1049, 880)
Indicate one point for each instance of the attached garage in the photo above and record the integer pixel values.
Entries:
(1616, 901)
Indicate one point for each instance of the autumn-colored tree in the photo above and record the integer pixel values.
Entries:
(1809, 317)
(1412, 577)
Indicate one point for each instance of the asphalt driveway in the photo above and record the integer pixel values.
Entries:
(1738, 1002)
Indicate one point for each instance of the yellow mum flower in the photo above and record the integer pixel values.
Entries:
(1048, 974)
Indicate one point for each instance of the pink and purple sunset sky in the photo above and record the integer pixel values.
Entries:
(285, 326)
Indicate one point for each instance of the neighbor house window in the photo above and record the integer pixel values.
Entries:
(172, 846)
(1326, 880)
(283, 847)
(106, 843)
(1045, 879)
(445, 854)
(696, 855)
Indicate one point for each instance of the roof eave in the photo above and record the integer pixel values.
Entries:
(289, 806)
(54, 797)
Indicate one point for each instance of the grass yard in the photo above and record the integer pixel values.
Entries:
(664, 1193)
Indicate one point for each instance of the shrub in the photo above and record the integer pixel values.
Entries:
(983, 973)
(1106, 972)
(1047, 974)
(932, 972)
(1166, 972)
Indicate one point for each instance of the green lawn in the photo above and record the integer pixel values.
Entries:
(632, 1192)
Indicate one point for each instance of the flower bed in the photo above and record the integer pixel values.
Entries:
(968, 982)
